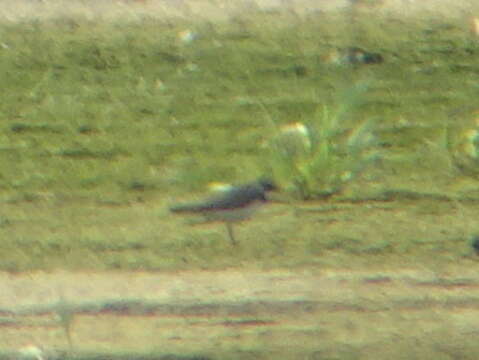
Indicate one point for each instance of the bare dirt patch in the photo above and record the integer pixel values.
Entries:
(217, 10)
(202, 311)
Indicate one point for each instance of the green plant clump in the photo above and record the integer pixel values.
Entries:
(318, 159)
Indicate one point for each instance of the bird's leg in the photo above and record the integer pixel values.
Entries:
(229, 226)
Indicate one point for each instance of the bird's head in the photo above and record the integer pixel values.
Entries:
(267, 184)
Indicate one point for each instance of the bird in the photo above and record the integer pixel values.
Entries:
(233, 205)
(475, 243)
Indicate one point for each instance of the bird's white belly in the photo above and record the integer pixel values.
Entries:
(233, 215)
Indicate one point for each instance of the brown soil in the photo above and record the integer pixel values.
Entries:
(220, 10)
(198, 311)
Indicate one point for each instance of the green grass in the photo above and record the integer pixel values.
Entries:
(106, 123)
(103, 106)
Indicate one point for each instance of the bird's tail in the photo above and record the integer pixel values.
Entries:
(186, 208)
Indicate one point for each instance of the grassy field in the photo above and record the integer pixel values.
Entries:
(107, 123)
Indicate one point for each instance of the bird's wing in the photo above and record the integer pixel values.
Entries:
(235, 198)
